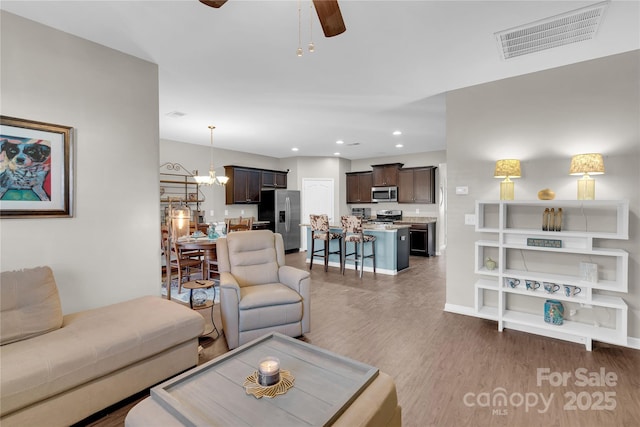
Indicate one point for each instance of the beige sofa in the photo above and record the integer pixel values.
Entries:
(58, 370)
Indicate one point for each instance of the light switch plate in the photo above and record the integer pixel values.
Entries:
(462, 191)
(470, 219)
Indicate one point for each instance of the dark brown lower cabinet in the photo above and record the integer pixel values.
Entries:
(422, 238)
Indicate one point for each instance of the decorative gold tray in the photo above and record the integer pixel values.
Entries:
(252, 386)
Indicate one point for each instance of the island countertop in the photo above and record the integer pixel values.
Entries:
(372, 227)
(391, 246)
(416, 220)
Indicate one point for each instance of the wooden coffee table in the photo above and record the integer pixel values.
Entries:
(328, 388)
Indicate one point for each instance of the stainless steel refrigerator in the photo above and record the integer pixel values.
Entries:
(282, 209)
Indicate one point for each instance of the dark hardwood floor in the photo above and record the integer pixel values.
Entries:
(454, 370)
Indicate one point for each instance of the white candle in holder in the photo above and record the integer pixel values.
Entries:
(269, 371)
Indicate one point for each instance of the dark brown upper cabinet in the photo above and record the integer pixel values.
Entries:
(386, 175)
(359, 187)
(244, 185)
(274, 179)
(417, 185)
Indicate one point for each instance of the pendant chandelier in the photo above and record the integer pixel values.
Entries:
(211, 178)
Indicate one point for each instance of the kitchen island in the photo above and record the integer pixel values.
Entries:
(392, 248)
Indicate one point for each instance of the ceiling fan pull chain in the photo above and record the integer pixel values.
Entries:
(312, 47)
(299, 51)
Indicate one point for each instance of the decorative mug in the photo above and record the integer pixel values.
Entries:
(570, 290)
(553, 312)
(532, 285)
(511, 282)
(550, 287)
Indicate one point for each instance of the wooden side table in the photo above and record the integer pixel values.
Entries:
(203, 284)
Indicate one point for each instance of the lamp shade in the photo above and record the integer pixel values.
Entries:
(590, 163)
(180, 218)
(507, 168)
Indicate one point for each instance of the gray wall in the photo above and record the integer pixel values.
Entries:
(198, 157)
(109, 250)
(543, 119)
(428, 158)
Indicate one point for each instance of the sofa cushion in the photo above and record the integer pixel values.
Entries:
(29, 304)
(91, 344)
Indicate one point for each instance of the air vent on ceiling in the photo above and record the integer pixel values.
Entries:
(571, 27)
(176, 114)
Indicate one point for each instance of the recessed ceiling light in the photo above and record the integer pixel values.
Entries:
(294, 149)
(336, 154)
(339, 141)
(397, 132)
(399, 145)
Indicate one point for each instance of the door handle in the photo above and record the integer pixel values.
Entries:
(287, 208)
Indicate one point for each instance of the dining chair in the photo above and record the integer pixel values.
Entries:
(239, 224)
(191, 253)
(320, 231)
(352, 233)
(185, 265)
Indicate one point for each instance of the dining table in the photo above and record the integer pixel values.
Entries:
(208, 248)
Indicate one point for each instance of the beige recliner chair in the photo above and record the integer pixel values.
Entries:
(258, 292)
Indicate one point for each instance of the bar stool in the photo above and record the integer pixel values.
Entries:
(352, 232)
(320, 231)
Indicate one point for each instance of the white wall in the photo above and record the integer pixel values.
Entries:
(108, 251)
(543, 119)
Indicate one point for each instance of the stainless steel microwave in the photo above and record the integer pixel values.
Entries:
(384, 194)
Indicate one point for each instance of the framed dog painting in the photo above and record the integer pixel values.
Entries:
(35, 169)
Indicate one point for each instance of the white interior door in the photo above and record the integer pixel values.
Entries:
(317, 198)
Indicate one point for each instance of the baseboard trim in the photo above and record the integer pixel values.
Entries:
(460, 309)
(632, 342)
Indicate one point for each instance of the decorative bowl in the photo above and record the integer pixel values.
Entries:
(546, 194)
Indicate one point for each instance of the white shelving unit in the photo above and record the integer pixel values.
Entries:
(508, 225)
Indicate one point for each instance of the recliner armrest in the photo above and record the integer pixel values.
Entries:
(292, 277)
(229, 300)
(228, 282)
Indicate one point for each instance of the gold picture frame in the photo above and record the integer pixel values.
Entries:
(36, 169)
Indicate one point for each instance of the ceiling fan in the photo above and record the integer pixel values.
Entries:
(328, 14)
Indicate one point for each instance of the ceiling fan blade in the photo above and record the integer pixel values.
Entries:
(215, 4)
(330, 17)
